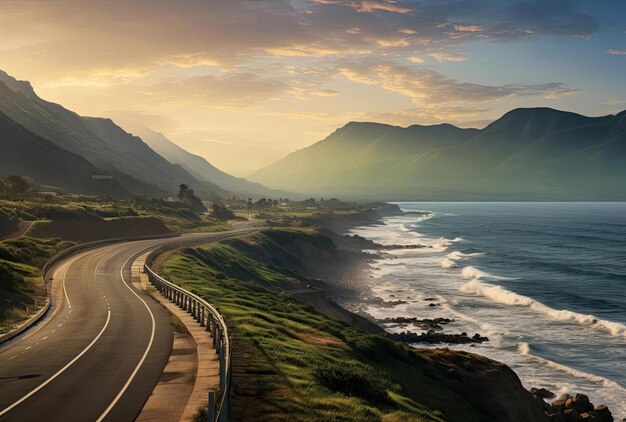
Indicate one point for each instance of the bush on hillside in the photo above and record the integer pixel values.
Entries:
(9, 279)
(353, 380)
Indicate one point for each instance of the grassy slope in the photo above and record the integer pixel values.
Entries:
(282, 343)
(20, 283)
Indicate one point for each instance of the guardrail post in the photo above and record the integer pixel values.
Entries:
(222, 367)
(211, 407)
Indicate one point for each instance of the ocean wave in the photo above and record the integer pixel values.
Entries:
(448, 263)
(473, 273)
(494, 332)
(457, 255)
(501, 295)
(525, 349)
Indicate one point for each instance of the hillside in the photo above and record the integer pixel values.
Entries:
(528, 154)
(99, 141)
(200, 168)
(299, 362)
(24, 153)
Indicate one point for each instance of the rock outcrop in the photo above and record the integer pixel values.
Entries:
(567, 408)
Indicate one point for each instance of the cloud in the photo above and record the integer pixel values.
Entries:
(324, 92)
(415, 59)
(428, 87)
(616, 52)
(232, 89)
(70, 41)
(447, 56)
(367, 6)
(468, 28)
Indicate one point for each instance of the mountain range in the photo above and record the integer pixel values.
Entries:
(197, 166)
(96, 146)
(527, 154)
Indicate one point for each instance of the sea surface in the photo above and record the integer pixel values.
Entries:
(546, 282)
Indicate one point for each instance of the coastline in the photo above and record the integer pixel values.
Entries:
(338, 229)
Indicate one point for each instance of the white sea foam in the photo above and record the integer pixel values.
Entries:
(457, 255)
(473, 273)
(501, 295)
(448, 263)
(525, 349)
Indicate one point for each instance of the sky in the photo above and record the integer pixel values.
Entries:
(244, 82)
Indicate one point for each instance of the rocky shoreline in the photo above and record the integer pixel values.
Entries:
(568, 408)
(565, 408)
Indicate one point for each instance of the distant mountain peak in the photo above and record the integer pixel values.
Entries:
(16, 85)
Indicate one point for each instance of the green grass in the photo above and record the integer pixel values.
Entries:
(276, 342)
(21, 291)
(293, 363)
(176, 215)
(21, 287)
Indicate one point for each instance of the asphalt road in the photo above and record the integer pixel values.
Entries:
(100, 356)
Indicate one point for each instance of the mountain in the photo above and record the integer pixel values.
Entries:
(100, 141)
(527, 154)
(24, 153)
(197, 166)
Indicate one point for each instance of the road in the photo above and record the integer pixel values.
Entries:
(100, 355)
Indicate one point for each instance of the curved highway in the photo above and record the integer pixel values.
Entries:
(99, 356)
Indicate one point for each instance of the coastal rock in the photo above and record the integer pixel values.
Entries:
(580, 403)
(395, 247)
(556, 417)
(559, 404)
(600, 413)
(547, 407)
(542, 393)
(433, 337)
(572, 415)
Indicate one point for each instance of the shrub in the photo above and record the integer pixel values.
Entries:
(353, 380)
(9, 279)
(15, 314)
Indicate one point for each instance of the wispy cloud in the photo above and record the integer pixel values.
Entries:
(616, 52)
(448, 56)
(427, 87)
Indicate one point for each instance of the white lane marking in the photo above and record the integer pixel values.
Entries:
(45, 338)
(145, 354)
(28, 347)
(70, 363)
(60, 371)
(67, 298)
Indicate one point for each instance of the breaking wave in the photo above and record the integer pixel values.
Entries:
(501, 295)
(525, 349)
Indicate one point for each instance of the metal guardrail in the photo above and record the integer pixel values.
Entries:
(207, 316)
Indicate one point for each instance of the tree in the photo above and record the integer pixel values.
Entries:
(183, 192)
(221, 212)
(186, 194)
(16, 185)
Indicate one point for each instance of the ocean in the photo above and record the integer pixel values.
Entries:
(546, 282)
